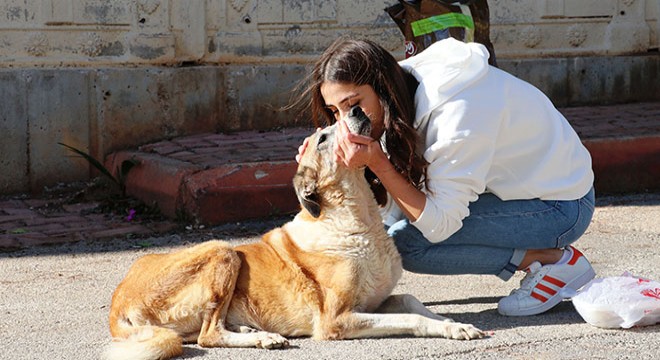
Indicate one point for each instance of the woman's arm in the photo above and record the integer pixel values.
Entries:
(460, 153)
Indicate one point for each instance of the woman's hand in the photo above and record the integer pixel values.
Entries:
(355, 151)
(301, 149)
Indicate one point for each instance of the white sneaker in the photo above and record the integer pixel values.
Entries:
(546, 286)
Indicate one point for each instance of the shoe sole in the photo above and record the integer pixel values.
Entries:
(577, 283)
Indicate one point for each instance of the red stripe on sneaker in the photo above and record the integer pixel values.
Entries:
(576, 255)
(554, 281)
(536, 296)
(546, 289)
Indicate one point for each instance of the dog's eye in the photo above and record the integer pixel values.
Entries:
(322, 139)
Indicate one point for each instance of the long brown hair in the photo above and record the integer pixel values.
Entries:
(363, 62)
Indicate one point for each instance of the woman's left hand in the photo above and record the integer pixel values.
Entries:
(354, 150)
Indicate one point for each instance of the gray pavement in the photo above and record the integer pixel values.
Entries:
(54, 300)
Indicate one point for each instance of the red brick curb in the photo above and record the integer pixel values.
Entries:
(217, 178)
(239, 192)
(625, 165)
(227, 192)
(155, 179)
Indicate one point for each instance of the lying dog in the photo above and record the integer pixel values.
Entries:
(327, 274)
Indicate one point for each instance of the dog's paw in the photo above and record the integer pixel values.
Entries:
(459, 331)
(271, 341)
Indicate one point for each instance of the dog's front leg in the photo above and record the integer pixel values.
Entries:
(364, 325)
(218, 336)
(259, 339)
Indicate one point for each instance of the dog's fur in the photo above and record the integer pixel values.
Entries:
(327, 274)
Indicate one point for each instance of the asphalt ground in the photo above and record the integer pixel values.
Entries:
(54, 300)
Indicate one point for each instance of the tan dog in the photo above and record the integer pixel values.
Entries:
(327, 274)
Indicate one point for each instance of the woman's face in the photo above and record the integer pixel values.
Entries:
(339, 97)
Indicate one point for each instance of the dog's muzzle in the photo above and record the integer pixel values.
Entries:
(358, 122)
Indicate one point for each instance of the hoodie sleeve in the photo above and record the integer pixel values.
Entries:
(460, 149)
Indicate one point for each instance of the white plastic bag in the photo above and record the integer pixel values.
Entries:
(619, 302)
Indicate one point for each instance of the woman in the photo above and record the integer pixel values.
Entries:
(482, 174)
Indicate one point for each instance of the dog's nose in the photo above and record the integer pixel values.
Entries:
(358, 122)
(355, 111)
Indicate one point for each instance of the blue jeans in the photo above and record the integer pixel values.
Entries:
(495, 236)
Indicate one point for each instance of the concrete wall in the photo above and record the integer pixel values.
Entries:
(106, 75)
(92, 33)
(555, 28)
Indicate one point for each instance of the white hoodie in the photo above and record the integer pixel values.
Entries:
(484, 130)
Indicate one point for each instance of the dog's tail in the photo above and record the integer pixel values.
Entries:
(145, 343)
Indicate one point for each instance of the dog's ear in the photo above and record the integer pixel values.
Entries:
(310, 202)
(304, 182)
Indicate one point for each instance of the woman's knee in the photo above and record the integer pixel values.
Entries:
(407, 238)
(584, 214)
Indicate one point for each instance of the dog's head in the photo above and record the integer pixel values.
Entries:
(320, 181)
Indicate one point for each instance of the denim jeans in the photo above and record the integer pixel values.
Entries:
(495, 236)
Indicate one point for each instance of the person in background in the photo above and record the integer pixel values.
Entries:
(475, 170)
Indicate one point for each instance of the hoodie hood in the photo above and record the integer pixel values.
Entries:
(443, 70)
